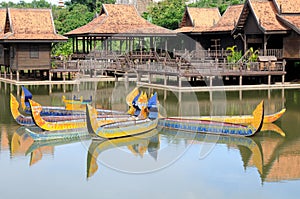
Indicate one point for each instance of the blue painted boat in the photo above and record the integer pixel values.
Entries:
(215, 127)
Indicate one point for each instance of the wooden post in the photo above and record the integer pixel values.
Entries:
(165, 80)
(283, 79)
(269, 79)
(241, 80)
(18, 75)
(149, 78)
(210, 81)
(179, 81)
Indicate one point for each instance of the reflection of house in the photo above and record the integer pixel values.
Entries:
(26, 39)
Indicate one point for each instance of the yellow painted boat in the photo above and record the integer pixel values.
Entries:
(242, 119)
(36, 108)
(132, 126)
(75, 104)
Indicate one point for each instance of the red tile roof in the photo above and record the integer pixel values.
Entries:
(120, 19)
(31, 24)
(2, 20)
(199, 19)
(288, 6)
(292, 21)
(228, 19)
(264, 13)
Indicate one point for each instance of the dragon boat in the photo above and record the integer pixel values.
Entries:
(133, 126)
(26, 96)
(238, 119)
(27, 120)
(216, 127)
(76, 103)
(68, 124)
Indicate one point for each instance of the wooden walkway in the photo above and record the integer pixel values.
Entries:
(188, 65)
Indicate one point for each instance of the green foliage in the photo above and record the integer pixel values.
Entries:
(221, 4)
(167, 13)
(23, 4)
(253, 55)
(71, 17)
(235, 55)
(92, 5)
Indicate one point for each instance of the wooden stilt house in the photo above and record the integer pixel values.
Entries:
(26, 39)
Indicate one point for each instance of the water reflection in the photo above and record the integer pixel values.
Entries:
(275, 157)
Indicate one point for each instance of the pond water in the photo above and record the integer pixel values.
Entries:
(162, 163)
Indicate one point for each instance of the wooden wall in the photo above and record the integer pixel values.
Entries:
(22, 60)
(291, 46)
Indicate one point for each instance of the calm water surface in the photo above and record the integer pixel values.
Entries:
(162, 163)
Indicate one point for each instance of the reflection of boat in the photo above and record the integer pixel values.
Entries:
(67, 134)
(149, 140)
(55, 142)
(247, 142)
(215, 127)
(131, 126)
(68, 124)
(272, 127)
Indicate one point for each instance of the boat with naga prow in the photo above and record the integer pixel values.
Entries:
(36, 108)
(215, 127)
(132, 126)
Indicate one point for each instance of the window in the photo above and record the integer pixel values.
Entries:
(34, 52)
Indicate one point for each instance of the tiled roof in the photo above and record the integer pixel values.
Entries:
(200, 19)
(288, 6)
(265, 13)
(2, 21)
(228, 19)
(292, 21)
(120, 19)
(31, 24)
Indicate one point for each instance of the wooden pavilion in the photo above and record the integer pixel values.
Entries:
(26, 38)
(118, 28)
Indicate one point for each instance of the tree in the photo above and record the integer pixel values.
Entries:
(92, 5)
(167, 13)
(221, 4)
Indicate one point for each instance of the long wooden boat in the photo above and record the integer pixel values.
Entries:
(238, 119)
(130, 127)
(76, 103)
(215, 127)
(28, 120)
(69, 124)
(149, 139)
(61, 110)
